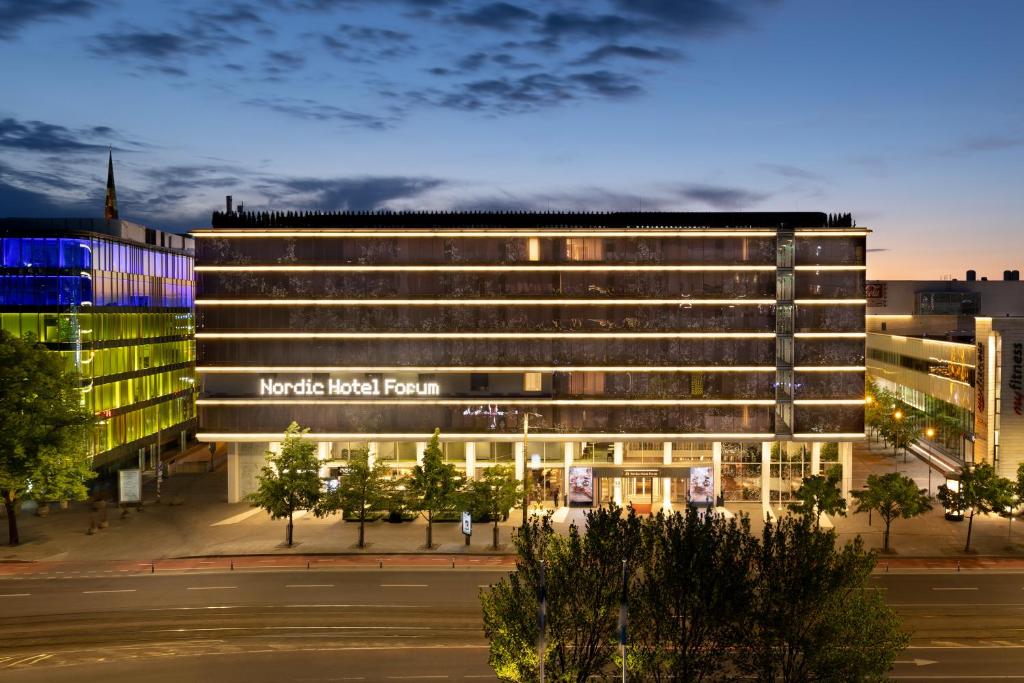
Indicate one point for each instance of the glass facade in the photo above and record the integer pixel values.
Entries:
(120, 313)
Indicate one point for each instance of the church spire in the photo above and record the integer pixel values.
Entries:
(110, 205)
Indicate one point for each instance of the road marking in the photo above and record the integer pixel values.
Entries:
(119, 590)
(354, 605)
(309, 585)
(956, 589)
(403, 585)
(917, 662)
(27, 661)
(210, 588)
(239, 517)
(293, 628)
(15, 595)
(412, 678)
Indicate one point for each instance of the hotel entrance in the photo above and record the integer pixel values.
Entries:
(641, 488)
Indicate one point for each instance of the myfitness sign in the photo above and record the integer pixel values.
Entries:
(383, 386)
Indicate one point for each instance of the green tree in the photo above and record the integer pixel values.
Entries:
(290, 479)
(981, 490)
(62, 473)
(820, 495)
(892, 496)
(495, 493)
(582, 575)
(363, 486)
(812, 616)
(44, 429)
(1019, 485)
(693, 584)
(434, 487)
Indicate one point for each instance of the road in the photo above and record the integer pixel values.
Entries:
(394, 624)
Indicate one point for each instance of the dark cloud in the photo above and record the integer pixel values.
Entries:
(18, 202)
(48, 138)
(605, 52)
(601, 26)
(161, 51)
(311, 110)
(232, 14)
(791, 172)
(720, 197)
(193, 177)
(687, 16)
(336, 194)
(365, 44)
(608, 85)
(989, 143)
(499, 16)
(17, 14)
(280, 62)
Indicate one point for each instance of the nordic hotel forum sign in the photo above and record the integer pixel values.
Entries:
(386, 386)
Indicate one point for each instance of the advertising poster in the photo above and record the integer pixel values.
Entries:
(129, 487)
(702, 489)
(581, 486)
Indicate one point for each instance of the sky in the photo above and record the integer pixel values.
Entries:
(907, 113)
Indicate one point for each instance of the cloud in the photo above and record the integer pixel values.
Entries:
(155, 49)
(791, 172)
(686, 16)
(365, 44)
(339, 194)
(603, 26)
(17, 14)
(990, 143)
(279, 62)
(720, 197)
(605, 52)
(311, 110)
(498, 16)
(48, 138)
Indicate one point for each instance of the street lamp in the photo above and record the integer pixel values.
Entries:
(526, 450)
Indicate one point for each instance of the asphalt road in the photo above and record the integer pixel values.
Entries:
(380, 625)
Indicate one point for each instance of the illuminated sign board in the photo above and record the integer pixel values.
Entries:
(386, 386)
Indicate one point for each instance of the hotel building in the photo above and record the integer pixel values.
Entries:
(952, 349)
(643, 358)
(115, 299)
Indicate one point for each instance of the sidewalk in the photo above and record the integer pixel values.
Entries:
(205, 525)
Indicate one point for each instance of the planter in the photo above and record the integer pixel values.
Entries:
(64, 505)
(43, 510)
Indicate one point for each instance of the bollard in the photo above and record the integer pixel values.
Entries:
(307, 564)
(152, 568)
(958, 566)
(232, 565)
(380, 564)
(886, 567)
(453, 564)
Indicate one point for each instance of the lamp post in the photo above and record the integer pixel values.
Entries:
(930, 432)
(898, 433)
(526, 450)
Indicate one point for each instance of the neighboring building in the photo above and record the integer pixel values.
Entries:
(657, 357)
(115, 298)
(951, 349)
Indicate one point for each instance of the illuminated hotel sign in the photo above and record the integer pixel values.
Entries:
(387, 386)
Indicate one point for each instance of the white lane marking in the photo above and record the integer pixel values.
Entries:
(956, 589)
(27, 661)
(412, 678)
(294, 628)
(309, 585)
(354, 605)
(15, 595)
(119, 590)
(210, 588)
(239, 517)
(403, 585)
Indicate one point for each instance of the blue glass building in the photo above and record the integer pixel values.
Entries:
(115, 298)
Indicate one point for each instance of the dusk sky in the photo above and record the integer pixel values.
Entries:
(907, 113)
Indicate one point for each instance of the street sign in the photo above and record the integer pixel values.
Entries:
(467, 524)
(129, 486)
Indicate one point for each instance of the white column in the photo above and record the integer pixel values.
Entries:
(617, 458)
(470, 460)
(372, 448)
(766, 473)
(323, 454)
(846, 460)
(666, 482)
(520, 454)
(567, 451)
(233, 495)
(716, 464)
(421, 446)
(815, 458)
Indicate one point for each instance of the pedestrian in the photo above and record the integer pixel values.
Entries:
(554, 497)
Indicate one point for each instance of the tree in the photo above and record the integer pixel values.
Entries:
(980, 490)
(694, 582)
(820, 495)
(44, 429)
(290, 480)
(494, 494)
(581, 573)
(893, 496)
(62, 474)
(362, 487)
(435, 486)
(812, 617)
(1019, 486)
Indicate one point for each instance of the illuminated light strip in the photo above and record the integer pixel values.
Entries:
(485, 335)
(830, 368)
(488, 401)
(829, 402)
(486, 302)
(830, 302)
(514, 436)
(492, 369)
(829, 233)
(888, 315)
(927, 341)
(818, 436)
(474, 269)
(830, 268)
(830, 335)
(503, 232)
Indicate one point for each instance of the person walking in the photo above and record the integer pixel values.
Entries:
(554, 497)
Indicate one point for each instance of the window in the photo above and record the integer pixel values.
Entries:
(586, 383)
(532, 381)
(478, 381)
(584, 249)
(533, 249)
